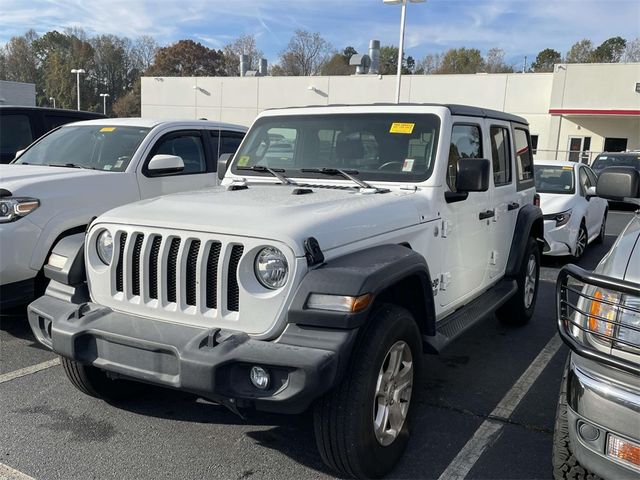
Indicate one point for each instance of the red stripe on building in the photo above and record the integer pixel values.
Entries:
(569, 111)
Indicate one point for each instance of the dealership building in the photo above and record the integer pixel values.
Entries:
(574, 112)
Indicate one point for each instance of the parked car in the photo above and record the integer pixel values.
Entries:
(71, 175)
(316, 277)
(597, 430)
(20, 126)
(616, 159)
(573, 215)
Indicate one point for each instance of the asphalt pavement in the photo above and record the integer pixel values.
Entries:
(485, 410)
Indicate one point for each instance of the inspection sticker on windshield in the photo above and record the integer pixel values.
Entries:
(567, 168)
(399, 127)
(244, 160)
(107, 129)
(407, 166)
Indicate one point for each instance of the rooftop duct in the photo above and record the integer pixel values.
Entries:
(374, 55)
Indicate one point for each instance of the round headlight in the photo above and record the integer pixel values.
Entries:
(271, 268)
(104, 247)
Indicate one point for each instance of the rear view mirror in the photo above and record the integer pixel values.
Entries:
(224, 161)
(618, 183)
(473, 175)
(18, 153)
(165, 164)
(591, 192)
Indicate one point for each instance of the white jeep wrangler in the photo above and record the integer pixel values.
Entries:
(343, 243)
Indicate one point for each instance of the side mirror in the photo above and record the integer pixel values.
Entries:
(18, 153)
(224, 161)
(618, 183)
(591, 192)
(165, 164)
(473, 175)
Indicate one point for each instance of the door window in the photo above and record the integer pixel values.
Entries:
(466, 142)
(500, 156)
(524, 159)
(186, 146)
(585, 182)
(15, 132)
(230, 141)
(579, 149)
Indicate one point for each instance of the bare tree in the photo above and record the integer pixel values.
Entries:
(632, 51)
(305, 55)
(495, 63)
(429, 64)
(144, 52)
(243, 45)
(580, 52)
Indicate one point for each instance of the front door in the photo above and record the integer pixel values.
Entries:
(465, 234)
(579, 149)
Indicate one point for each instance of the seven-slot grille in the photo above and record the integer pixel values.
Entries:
(177, 269)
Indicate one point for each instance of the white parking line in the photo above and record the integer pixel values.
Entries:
(8, 473)
(5, 377)
(490, 428)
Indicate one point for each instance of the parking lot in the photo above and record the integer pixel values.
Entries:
(486, 410)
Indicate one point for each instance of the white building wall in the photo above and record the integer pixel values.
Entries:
(17, 93)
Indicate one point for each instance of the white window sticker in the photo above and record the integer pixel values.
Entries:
(407, 166)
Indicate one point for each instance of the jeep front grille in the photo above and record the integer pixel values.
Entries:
(164, 269)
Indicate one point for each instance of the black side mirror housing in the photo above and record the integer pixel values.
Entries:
(473, 175)
(224, 161)
(618, 183)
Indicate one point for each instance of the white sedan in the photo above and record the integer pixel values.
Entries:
(573, 215)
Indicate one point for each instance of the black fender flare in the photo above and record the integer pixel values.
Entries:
(528, 224)
(69, 251)
(379, 270)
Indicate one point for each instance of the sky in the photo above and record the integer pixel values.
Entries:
(519, 27)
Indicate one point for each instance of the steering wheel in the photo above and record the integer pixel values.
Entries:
(386, 165)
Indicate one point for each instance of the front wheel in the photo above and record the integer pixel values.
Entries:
(362, 426)
(581, 243)
(519, 309)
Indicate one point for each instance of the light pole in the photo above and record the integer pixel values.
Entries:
(401, 47)
(53, 100)
(78, 71)
(104, 102)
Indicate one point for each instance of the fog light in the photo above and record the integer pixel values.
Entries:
(624, 450)
(260, 377)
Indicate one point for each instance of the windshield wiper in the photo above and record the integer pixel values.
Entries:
(71, 165)
(348, 174)
(276, 172)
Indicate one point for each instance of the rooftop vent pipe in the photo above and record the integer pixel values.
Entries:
(244, 65)
(263, 67)
(374, 55)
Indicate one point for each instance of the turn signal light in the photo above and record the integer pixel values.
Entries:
(339, 303)
(624, 450)
(603, 311)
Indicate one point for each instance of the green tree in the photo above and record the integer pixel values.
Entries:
(389, 61)
(305, 55)
(187, 58)
(462, 60)
(609, 51)
(129, 105)
(21, 64)
(580, 52)
(338, 64)
(545, 60)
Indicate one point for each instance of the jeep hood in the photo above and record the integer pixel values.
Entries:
(333, 216)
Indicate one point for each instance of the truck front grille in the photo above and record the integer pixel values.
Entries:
(159, 270)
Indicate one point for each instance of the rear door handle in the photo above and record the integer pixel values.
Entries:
(487, 214)
(513, 206)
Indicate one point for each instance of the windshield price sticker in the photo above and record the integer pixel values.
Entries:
(244, 160)
(407, 166)
(107, 129)
(567, 168)
(399, 127)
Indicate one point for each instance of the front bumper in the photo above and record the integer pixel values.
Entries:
(304, 362)
(607, 400)
(558, 240)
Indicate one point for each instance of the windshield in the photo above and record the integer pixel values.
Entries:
(554, 179)
(88, 146)
(380, 146)
(609, 160)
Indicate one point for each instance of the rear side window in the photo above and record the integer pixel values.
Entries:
(500, 156)
(466, 142)
(230, 141)
(524, 159)
(15, 132)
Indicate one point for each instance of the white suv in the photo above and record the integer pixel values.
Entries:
(59, 184)
(343, 243)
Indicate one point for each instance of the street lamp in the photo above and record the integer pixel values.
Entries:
(53, 100)
(78, 71)
(401, 47)
(104, 102)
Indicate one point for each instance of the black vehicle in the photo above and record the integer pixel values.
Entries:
(616, 159)
(20, 126)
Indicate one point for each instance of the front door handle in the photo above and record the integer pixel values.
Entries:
(487, 214)
(513, 206)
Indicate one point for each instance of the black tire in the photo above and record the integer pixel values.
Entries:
(518, 310)
(94, 382)
(579, 252)
(344, 417)
(603, 227)
(565, 464)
